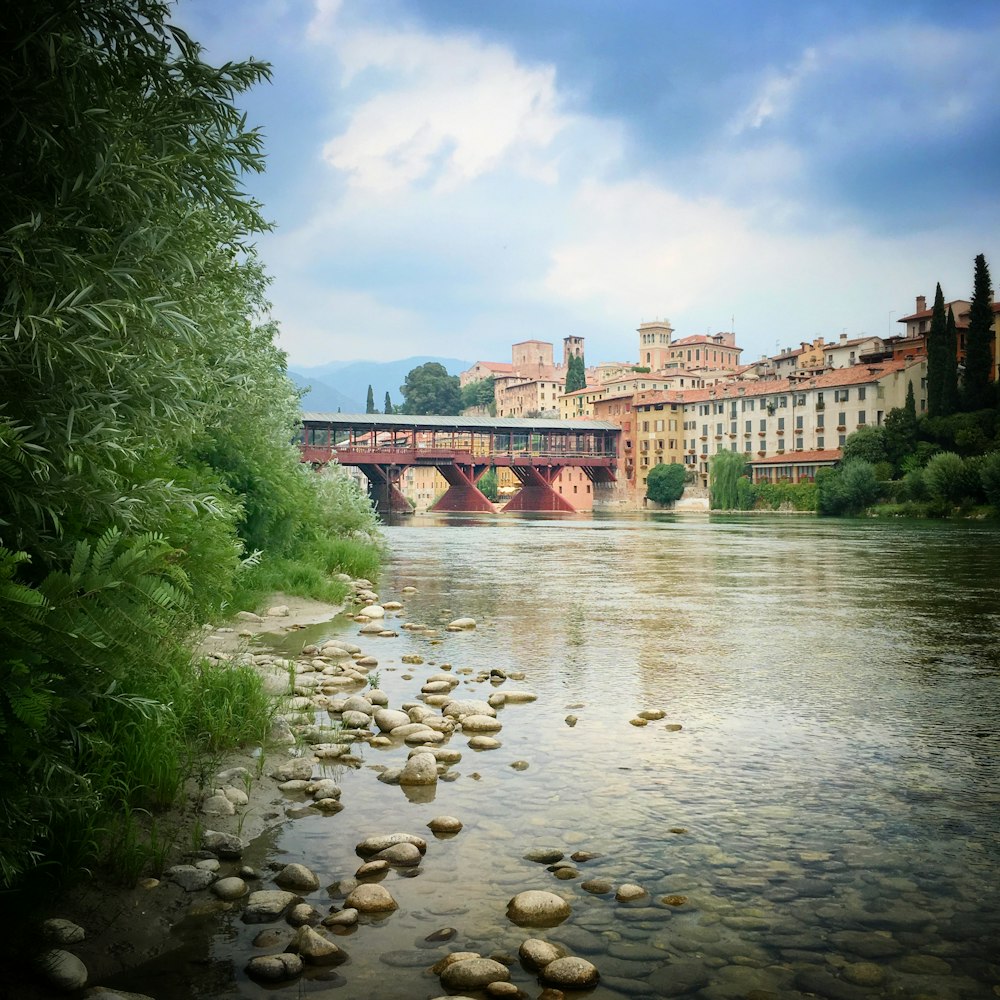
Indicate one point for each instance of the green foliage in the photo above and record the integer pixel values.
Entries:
(370, 402)
(480, 393)
(989, 474)
(783, 495)
(724, 472)
(576, 374)
(949, 367)
(867, 444)
(387, 408)
(429, 389)
(487, 485)
(665, 483)
(945, 478)
(146, 469)
(979, 391)
(848, 490)
(936, 351)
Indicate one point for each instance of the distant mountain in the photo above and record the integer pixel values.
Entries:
(350, 382)
(323, 398)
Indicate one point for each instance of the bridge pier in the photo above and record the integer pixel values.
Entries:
(536, 493)
(384, 490)
(462, 494)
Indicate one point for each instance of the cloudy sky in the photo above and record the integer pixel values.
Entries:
(447, 177)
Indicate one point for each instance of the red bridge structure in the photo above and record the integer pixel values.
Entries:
(462, 449)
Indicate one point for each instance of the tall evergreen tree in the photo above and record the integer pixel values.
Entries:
(576, 374)
(388, 404)
(949, 368)
(370, 405)
(910, 406)
(978, 360)
(936, 349)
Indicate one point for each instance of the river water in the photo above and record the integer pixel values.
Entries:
(821, 799)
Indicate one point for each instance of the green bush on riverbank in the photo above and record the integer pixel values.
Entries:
(147, 479)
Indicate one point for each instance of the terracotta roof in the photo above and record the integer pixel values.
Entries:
(799, 458)
(928, 313)
(495, 366)
(837, 378)
(701, 338)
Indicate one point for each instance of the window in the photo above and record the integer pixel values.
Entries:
(841, 395)
(819, 443)
(781, 444)
(749, 426)
(645, 425)
(748, 445)
(783, 401)
(861, 392)
(781, 423)
(798, 423)
(732, 428)
(763, 425)
(841, 439)
(800, 399)
(799, 444)
(861, 417)
(842, 419)
(718, 427)
(819, 420)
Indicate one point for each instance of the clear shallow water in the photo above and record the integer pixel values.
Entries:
(836, 778)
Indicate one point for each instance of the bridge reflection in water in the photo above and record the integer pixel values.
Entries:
(462, 449)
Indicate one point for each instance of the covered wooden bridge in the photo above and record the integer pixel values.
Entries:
(462, 449)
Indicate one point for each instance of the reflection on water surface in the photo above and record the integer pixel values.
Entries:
(825, 816)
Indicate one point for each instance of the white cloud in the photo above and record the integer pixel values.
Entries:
(447, 109)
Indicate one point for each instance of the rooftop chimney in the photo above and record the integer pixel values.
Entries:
(921, 303)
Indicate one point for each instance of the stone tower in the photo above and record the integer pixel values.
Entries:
(654, 344)
(572, 348)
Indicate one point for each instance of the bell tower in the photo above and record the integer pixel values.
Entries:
(654, 344)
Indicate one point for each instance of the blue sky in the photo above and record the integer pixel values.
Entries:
(447, 177)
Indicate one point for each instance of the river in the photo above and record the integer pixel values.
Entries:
(821, 799)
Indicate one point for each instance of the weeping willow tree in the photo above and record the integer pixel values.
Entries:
(724, 474)
(145, 416)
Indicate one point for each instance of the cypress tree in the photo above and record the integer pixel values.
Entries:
(388, 404)
(949, 368)
(576, 374)
(370, 405)
(936, 349)
(978, 359)
(910, 406)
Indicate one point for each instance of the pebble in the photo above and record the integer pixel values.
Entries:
(537, 908)
(445, 824)
(297, 877)
(474, 973)
(571, 972)
(275, 968)
(372, 845)
(371, 898)
(536, 953)
(232, 887)
(63, 969)
(629, 891)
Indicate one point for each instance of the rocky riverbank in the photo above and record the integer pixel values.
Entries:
(330, 703)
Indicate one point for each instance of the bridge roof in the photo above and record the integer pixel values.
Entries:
(389, 421)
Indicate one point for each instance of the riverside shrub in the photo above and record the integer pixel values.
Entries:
(146, 420)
